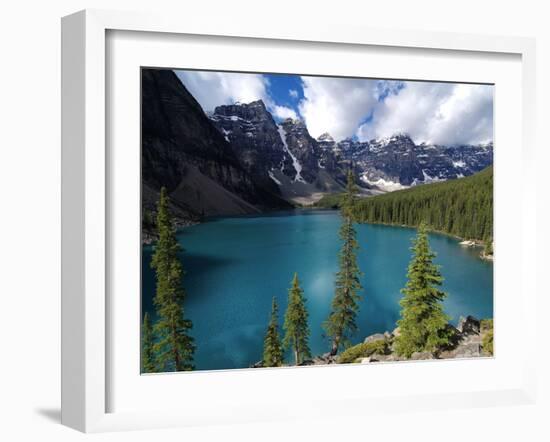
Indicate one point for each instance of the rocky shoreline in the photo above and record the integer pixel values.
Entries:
(472, 338)
(476, 243)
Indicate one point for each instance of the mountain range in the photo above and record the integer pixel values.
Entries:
(238, 159)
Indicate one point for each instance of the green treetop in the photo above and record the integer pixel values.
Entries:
(341, 324)
(423, 324)
(174, 347)
(147, 340)
(296, 323)
(273, 351)
(349, 197)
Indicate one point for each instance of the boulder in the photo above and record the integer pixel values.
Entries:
(323, 359)
(384, 358)
(468, 350)
(464, 350)
(421, 355)
(396, 332)
(469, 346)
(468, 325)
(375, 337)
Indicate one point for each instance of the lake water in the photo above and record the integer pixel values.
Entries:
(234, 266)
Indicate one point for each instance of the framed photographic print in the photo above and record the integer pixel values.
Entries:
(254, 217)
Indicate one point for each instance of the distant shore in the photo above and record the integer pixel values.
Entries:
(148, 237)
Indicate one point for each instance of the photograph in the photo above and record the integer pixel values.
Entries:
(299, 220)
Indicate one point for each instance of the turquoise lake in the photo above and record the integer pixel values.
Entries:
(234, 266)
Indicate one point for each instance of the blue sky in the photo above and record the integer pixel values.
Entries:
(431, 112)
(286, 90)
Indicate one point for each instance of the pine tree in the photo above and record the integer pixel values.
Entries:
(296, 323)
(341, 324)
(147, 341)
(174, 347)
(423, 324)
(273, 351)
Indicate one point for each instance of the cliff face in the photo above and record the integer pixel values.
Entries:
(184, 152)
(255, 139)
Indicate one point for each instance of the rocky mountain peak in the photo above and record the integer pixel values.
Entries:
(295, 123)
(325, 137)
(254, 111)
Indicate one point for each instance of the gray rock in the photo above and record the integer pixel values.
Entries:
(421, 355)
(375, 337)
(469, 346)
(324, 359)
(382, 358)
(468, 325)
(468, 350)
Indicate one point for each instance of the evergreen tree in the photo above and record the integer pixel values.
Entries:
(174, 347)
(341, 324)
(273, 351)
(423, 324)
(147, 341)
(296, 323)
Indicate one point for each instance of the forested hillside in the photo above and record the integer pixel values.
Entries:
(462, 207)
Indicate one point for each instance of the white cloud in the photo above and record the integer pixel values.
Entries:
(212, 89)
(283, 112)
(440, 113)
(444, 113)
(336, 105)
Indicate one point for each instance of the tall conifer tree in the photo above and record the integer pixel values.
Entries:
(174, 347)
(341, 324)
(273, 351)
(296, 323)
(423, 324)
(147, 354)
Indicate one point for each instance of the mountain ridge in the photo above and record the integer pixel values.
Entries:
(239, 159)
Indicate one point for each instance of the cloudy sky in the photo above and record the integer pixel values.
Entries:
(442, 113)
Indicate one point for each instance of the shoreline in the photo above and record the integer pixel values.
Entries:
(148, 239)
(472, 338)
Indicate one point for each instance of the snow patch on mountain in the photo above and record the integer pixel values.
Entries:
(430, 179)
(270, 173)
(225, 134)
(381, 183)
(295, 162)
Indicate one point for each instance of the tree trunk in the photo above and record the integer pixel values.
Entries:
(175, 349)
(335, 345)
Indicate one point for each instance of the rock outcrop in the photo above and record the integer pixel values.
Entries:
(467, 342)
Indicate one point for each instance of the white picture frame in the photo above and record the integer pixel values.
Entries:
(86, 200)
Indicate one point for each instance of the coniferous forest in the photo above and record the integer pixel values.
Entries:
(462, 207)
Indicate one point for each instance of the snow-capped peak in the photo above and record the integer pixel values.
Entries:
(325, 137)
